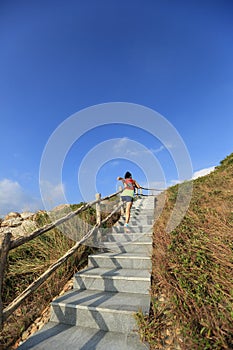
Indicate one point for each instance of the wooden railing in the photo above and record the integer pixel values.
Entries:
(8, 244)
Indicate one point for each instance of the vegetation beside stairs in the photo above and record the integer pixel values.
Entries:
(192, 269)
(29, 261)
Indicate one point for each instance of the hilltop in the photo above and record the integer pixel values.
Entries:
(192, 279)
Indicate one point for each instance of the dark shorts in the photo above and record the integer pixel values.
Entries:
(127, 199)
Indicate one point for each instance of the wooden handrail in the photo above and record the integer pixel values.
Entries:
(7, 245)
(21, 240)
(152, 189)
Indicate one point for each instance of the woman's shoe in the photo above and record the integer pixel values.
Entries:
(126, 227)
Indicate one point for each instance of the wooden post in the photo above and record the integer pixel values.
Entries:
(98, 211)
(4, 254)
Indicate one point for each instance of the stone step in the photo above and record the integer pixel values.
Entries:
(131, 229)
(121, 233)
(113, 280)
(119, 260)
(123, 237)
(139, 211)
(99, 313)
(131, 247)
(137, 220)
(143, 205)
(55, 336)
(145, 221)
(108, 311)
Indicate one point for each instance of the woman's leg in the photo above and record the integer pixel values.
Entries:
(127, 211)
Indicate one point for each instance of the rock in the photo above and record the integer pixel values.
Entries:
(12, 222)
(61, 207)
(12, 215)
(26, 215)
(18, 224)
(25, 223)
(28, 226)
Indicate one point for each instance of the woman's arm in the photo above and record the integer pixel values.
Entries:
(137, 185)
(120, 178)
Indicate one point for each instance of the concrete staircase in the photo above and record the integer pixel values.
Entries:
(99, 312)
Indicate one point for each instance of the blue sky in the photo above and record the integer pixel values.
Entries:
(60, 57)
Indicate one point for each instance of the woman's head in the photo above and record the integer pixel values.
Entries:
(128, 175)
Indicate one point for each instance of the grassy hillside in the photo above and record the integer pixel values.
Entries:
(192, 276)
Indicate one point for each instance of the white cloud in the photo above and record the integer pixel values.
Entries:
(196, 174)
(131, 153)
(124, 145)
(14, 198)
(202, 172)
(121, 144)
(157, 150)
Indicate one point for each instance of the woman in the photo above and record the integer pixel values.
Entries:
(128, 194)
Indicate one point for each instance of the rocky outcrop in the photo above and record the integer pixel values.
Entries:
(22, 224)
(18, 224)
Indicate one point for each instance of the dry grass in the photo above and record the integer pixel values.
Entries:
(192, 277)
(28, 262)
